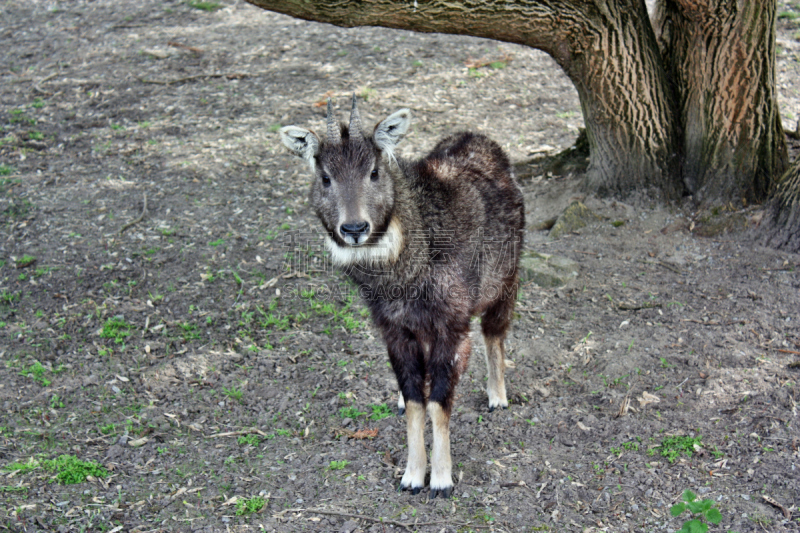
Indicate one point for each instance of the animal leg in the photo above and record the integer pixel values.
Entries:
(401, 405)
(414, 476)
(496, 367)
(495, 323)
(441, 463)
(408, 363)
(446, 367)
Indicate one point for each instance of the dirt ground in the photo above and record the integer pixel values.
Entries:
(155, 319)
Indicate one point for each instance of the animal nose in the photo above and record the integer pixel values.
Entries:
(354, 229)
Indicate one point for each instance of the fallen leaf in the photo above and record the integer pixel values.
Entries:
(138, 442)
(388, 458)
(322, 102)
(647, 399)
(774, 503)
(365, 434)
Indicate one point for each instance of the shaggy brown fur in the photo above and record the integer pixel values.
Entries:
(431, 243)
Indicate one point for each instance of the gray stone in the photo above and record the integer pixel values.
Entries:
(547, 271)
(348, 527)
(574, 217)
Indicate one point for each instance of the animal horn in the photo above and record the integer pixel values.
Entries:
(334, 134)
(355, 122)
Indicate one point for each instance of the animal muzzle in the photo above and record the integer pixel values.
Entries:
(355, 233)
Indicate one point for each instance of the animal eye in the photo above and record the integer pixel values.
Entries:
(326, 181)
(374, 175)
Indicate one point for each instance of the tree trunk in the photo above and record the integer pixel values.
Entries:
(781, 223)
(606, 47)
(721, 56)
(698, 115)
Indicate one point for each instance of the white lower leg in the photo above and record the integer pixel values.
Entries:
(441, 463)
(414, 476)
(401, 405)
(496, 367)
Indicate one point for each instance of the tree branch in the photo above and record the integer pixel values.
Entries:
(537, 24)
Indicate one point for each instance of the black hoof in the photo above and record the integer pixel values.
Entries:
(401, 411)
(444, 493)
(414, 490)
(491, 409)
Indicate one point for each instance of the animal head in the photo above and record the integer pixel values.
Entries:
(353, 191)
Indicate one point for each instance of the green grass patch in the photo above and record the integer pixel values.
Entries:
(23, 468)
(8, 488)
(36, 371)
(117, 329)
(189, 332)
(250, 505)
(251, 439)
(672, 447)
(338, 465)
(69, 469)
(25, 261)
(379, 412)
(350, 412)
(233, 392)
(6, 170)
(205, 6)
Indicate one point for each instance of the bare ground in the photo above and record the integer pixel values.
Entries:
(143, 185)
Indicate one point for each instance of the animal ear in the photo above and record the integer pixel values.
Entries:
(302, 142)
(389, 132)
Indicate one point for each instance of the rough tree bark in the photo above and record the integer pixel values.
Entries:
(607, 48)
(721, 56)
(692, 112)
(781, 223)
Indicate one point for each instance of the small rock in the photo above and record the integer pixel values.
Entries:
(547, 271)
(348, 527)
(114, 452)
(469, 418)
(574, 217)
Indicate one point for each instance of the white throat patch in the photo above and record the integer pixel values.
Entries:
(386, 250)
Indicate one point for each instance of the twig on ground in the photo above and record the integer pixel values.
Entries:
(237, 433)
(646, 305)
(410, 526)
(230, 76)
(41, 81)
(184, 47)
(141, 217)
(669, 267)
(521, 484)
